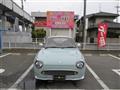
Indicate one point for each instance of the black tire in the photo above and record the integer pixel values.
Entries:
(77, 82)
(37, 83)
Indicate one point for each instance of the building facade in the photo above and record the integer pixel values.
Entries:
(15, 23)
(41, 22)
(113, 34)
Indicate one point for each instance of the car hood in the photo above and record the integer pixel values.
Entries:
(59, 56)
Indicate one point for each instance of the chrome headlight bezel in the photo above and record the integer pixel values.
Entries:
(38, 64)
(80, 64)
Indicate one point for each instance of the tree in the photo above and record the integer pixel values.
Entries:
(39, 33)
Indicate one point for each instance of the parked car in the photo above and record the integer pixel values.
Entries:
(59, 59)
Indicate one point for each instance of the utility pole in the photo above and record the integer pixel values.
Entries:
(1, 30)
(22, 5)
(84, 26)
(117, 7)
(100, 7)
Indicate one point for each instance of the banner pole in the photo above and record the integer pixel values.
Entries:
(50, 32)
(70, 33)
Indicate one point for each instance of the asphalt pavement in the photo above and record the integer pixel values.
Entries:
(14, 65)
(103, 72)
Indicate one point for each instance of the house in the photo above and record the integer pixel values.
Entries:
(113, 34)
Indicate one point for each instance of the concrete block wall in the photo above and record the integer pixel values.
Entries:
(17, 37)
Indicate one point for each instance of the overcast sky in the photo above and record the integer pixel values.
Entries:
(93, 6)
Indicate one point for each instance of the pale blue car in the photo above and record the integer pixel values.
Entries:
(59, 59)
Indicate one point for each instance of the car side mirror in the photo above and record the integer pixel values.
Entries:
(78, 45)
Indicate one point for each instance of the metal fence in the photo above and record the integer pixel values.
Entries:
(94, 46)
(21, 45)
(36, 45)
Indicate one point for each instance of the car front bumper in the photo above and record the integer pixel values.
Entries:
(79, 73)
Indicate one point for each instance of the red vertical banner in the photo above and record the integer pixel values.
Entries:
(102, 33)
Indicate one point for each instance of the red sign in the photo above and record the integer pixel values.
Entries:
(102, 33)
(40, 23)
(60, 19)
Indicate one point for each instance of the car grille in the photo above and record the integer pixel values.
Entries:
(53, 72)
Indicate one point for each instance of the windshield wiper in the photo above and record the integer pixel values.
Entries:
(69, 47)
(51, 47)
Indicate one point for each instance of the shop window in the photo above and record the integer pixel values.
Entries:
(91, 40)
(113, 35)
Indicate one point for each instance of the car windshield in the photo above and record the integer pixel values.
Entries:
(60, 42)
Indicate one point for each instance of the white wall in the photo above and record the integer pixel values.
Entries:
(62, 32)
(59, 32)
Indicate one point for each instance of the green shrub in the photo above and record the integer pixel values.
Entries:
(39, 33)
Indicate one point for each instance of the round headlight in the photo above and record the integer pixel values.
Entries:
(80, 64)
(38, 64)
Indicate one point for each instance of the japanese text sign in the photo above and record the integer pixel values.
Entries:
(102, 33)
(56, 19)
(40, 23)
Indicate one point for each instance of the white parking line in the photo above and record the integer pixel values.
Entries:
(114, 56)
(21, 78)
(31, 54)
(4, 55)
(117, 71)
(62, 89)
(103, 55)
(17, 54)
(87, 54)
(97, 78)
(2, 70)
(118, 54)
